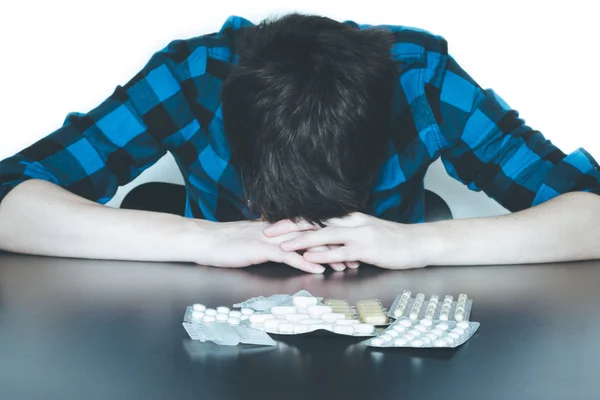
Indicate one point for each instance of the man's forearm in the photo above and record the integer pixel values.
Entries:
(43, 219)
(566, 228)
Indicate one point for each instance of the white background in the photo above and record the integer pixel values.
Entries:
(63, 56)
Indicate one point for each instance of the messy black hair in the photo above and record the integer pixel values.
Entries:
(307, 112)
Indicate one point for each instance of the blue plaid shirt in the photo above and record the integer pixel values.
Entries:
(173, 104)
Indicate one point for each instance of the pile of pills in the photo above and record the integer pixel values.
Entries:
(200, 313)
(340, 306)
(371, 312)
(406, 332)
(419, 308)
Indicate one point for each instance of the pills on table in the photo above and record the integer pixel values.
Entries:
(282, 310)
(199, 307)
(401, 341)
(209, 318)
(233, 321)
(304, 301)
(235, 314)
(318, 309)
(222, 317)
(210, 311)
(224, 310)
(247, 311)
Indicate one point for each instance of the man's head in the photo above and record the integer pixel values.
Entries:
(307, 112)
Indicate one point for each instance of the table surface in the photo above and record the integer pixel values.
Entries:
(83, 329)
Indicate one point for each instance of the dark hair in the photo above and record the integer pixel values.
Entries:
(307, 112)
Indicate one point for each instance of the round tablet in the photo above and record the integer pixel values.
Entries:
(224, 310)
(460, 331)
(405, 322)
(222, 317)
(437, 331)
(244, 316)
(426, 341)
(431, 336)
(377, 341)
(444, 317)
(400, 341)
(440, 342)
(197, 314)
(422, 328)
(415, 332)
(233, 321)
(210, 311)
(247, 311)
(385, 337)
(199, 307)
(392, 333)
(408, 336)
(209, 318)
(454, 335)
(416, 343)
(426, 322)
(463, 324)
(399, 328)
(235, 314)
(442, 326)
(459, 317)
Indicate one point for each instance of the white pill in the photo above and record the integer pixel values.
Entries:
(444, 317)
(235, 314)
(210, 311)
(426, 341)
(271, 324)
(209, 318)
(443, 326)
(415, 332)
(399, 328)
(454, 335)
(260, 318)
(405, 322)
(317, 309)
(233, 321)
(416, 343)
(422, 328)
(437, 331)
(392, 333)
(224, 310)
(324, 326)
(398, 312)
(459, 316)
(310, 321)
(400, 341)
(280, 317)
(363, 328)
(408, 336)
(244, 316)
(450, 340)
(463, 324)
(300, 328)
(296, 317)
(386, 337)
(347, 321)
(281, 310)
(330, 317)
(460, 331)
(197, 314)
(285, 327)
(222, 317)
(304, 301)
(431, 336)
(426, 322)
(199, 307)
(343, 329)
(247, 311)
(440, 342)
(301, 310)
(377, 341)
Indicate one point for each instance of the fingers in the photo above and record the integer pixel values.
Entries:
(322, 237)
(339, 255)
(335, 266)
(351, 220)
(295, 260)
(286, 226)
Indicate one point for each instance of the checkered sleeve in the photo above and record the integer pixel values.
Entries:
(485, 145)
(93, 154)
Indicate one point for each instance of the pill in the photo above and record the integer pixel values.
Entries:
(441, 342)
(462, 297)
(336, 302)
(377, 341)
(406, 294)
(199, 307)
(422, 328)
(444, 317)
(460, 310)
(448, 299)
(296, 317)
(271, 324)
(374, 319)
(280, 317)
(346, 321)
(317, 309)
(420, 297)
(400, 341)
(431, 336)
(300, 328)
(235, 314)
(434, 298)
(460, 331)
(415, 332)
(454, 335)
(343, 329)
(210, 311)
(222, 317)
(459, 316)
(247, 311)
(282, 310)
(311, 321)
(260, 318)
(324, 326)
(392, 333)
(398, 312)
(463, 324)
(233, 321)
(437, 331)
(285, 327)
(209, 318)
(443, 326)
(301, 310)
(224, 310)
(363, 328)
(426, 341)
(408, 336)
(244, 317)
(368, 301)
(416, 343)
(399, 328)
(330, 317)
(386, 337)
(405, 322)
(197, 314)
(426, 322)
(304, 301)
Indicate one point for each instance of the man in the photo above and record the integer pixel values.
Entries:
(302, 141)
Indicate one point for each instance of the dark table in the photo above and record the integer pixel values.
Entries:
(79, 329)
